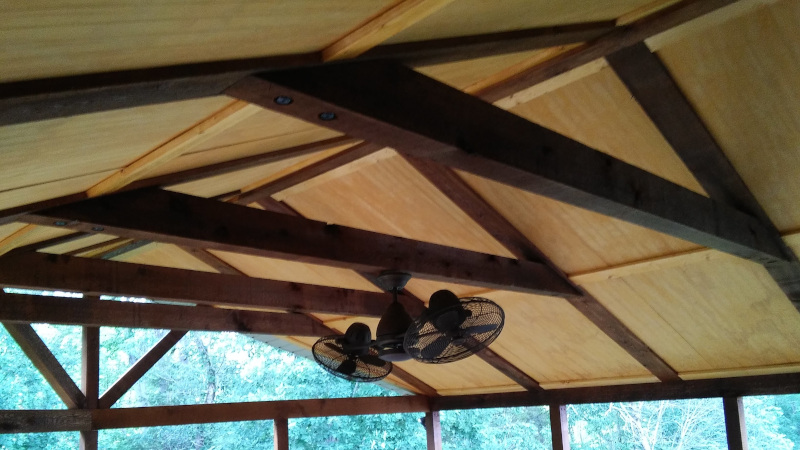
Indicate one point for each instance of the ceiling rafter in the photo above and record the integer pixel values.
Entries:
(425, 118)
(450, 184)
(209, 224)
(664, 103)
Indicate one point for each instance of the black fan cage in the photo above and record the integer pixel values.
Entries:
(368, 368)
(426, 343)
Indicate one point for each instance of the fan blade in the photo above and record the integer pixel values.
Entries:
(373, 360)
(480, 329)
(347, 367)
(334, 347)
(433, 349)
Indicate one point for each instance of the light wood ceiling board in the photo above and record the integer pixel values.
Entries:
(575, 239)
(40, 152)
(466, 17)
(743, 78)
(462, 74)
(165, 255)
(220, 184)
(598, 111)
(390, 197)
(282, 270)
(129, 34)
(38, 192)
(88, 241)
(30, 234)
(552, 342)
(465, 375)
(721, 314)
(9, 229)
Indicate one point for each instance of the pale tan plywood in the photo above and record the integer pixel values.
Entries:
(390, 197)
(551, 341)
(9, 229)
(423, 289)
(463, 74)
(577, 240)
(723, 314)
(276, 269)
(461, 377)
(63, 37)
(165, 255)
(600, 112)
(78, 244)
(743, 78)
(29, 234)
(37, 192)
(467, 17)
(40, 152)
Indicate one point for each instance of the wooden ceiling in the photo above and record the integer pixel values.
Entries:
(619, 177)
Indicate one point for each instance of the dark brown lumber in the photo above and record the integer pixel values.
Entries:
(438, 51)
(50, 98)
(469, 201)
(224, 167)
(422, 117)
(47, 364)
(788, 383)
(111, 242)
(237, 412)
(735, 429)
(606, 44)
(212, 260)
(433, 430)
(45, 421)
(139, 368)
(108, 313)
(12, 214)
(340, 159)
(90, 379)
(559, 427)
(197, 222)
(280, 432)
(660, 97)
(98, 277)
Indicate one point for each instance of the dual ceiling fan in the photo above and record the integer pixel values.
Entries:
(450, 329)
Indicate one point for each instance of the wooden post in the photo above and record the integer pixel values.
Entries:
(433, 430)
(734, 423)
(90, 379)
(559, 427)
(281, 433)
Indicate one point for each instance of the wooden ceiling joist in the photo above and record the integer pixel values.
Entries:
(47, 364)
(419, 116)
(196, 222)
(98, 277)
(107, 313)
(660, 97)
(450, 184)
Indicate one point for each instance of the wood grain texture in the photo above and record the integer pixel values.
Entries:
(735, 429)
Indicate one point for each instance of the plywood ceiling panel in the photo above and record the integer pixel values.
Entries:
(463, 74)
(577, 240)
(723, 314)
(34, 193)
(78, 244)
(40, 152)
(552, 342)
(743, 78)
(54, 38)
(165, 255)
(390, 197)
(466, 17)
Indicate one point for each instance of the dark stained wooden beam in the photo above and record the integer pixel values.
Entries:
(469, 201)
(340, 159)
(108, 313)
(280, 433)
(422, 117)
(735, 428)
(98, 277)
(433, 430)
(112, 242)
(139, 368)
(50, 242)
(721, 387)
(438, 51)
(197, 222)
(90, 380)
(45, 421)
(660, 97)
(604, 45)
(559, 427)
(47, 364)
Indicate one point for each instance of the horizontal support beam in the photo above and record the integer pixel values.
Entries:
(45, 421)
(98, 277)
(197, 222)
(674, 390)
(416, 115)
(108, 313)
